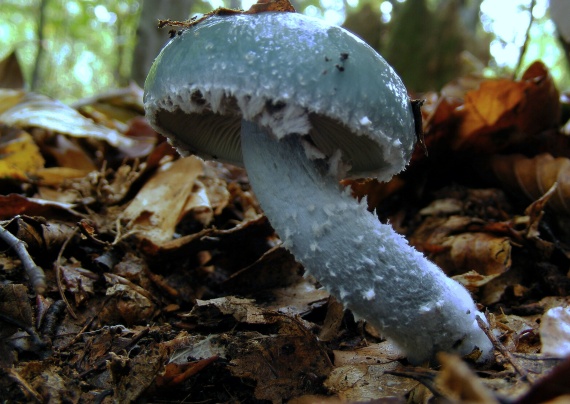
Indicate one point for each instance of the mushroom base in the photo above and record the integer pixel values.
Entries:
(365, 264)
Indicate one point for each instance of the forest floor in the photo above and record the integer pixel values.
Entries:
(130, 274)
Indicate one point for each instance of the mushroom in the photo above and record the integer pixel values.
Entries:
(303, 104)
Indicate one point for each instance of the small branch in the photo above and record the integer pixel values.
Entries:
(35, 274)
(526, 39)
(28, 389)
(502, 349)
(57, 265)
(40, 51)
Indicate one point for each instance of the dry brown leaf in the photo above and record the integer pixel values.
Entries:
(533, 177)
(459, 384)
(450, 244)
(333, 320)
(68, 154)
(357, 383)
(473, 280)
(56, 176)
(263, 6)
(374, 190)
(20, 157)
(525, 107)
(175, 373)
(78, 281)
(373, 354)
(126, 306)
(9, 98)
(160, 204)
(242, 310)
(14, 304)
(283, 359)
(35, 110)
(483, 252)
(283, 365)
(13, 205)
(297, 299)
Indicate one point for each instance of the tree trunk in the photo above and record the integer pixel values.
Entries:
(40, 52)
(150, 39)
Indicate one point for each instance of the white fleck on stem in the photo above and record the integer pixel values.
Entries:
(365, 264)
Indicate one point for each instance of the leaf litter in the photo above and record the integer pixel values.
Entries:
(165, 282)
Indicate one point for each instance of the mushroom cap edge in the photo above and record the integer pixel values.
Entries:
(287, 72)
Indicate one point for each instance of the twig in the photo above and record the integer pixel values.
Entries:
(36, 274)
(28, 388)
(58, 274)
(503, 350)
(85, 327)
(526, 39)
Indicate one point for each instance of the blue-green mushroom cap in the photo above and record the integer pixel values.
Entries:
(290, 74)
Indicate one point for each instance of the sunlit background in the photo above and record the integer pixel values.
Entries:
(88, 45)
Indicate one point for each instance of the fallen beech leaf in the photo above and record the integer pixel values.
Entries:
(473, 280)
(374, 354)
(357, 383)
(555, 332)
(242, 310)
(459, 384)
(485, 252)
(533, 177)
(159, 205)
(78, 281)
(36, 110)
(263, 6)
(15, 305)
(125, 305)
(514, 108)
(12, 205)
(374, 190)
(9, 98)
(284, 363)
(450, 244)
(69, 155)
(20, 157)
(284, 359)
(38, 235)
(118, 105)
(260, 7)
(175, 373)
(333, 321)
(56, 176)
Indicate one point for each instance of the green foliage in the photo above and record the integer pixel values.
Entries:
(87, 45)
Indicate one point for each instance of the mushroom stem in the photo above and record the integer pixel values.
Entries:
(365, 264)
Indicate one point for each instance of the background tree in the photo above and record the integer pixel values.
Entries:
(75, 48)
(149, 38)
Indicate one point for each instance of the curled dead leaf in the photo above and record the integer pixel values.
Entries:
(503, 112)
(20, 157)
(533, 177)
(451, 244)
